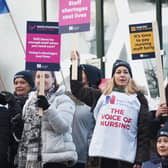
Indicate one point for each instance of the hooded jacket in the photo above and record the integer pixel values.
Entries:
(93, 74)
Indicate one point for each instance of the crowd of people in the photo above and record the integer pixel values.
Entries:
(86, 127)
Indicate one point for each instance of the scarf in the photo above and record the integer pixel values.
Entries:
(30, 145)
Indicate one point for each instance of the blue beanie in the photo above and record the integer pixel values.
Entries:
(118, 63)
(163, 131)
(26, 75)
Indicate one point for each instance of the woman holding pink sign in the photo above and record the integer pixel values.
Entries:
(121, 136)
(47, 140)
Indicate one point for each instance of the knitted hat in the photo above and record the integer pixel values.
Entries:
(163, 131)
(93, 74)
(118, 63)
(26, 75)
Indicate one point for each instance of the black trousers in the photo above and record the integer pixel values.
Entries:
(112, 163)
(54, 165)
(79, 165)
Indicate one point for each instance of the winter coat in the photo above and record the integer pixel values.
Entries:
(90, 97)
(155, 123)
(82, 129)
(57, 143)
(156, 162)
(16, 128)
(17, 122)
(4, 135)
(6, 139)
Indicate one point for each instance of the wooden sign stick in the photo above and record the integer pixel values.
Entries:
(41, 91)
(75, 61)
(159, 62)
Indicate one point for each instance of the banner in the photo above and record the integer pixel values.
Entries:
(43, 46)
(142, 41)
(74, 16)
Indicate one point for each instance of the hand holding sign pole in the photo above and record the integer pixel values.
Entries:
(42, 49)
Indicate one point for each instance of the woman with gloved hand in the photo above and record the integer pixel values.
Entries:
(23, 82)
(47, 140)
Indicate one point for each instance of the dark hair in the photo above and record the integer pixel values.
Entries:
(55, 80)
(163, 131)
(53, 75)
(94, 74)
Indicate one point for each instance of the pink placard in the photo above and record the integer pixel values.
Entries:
(43, 48)
(74, 12)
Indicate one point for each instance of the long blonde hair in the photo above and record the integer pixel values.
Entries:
(130, 88)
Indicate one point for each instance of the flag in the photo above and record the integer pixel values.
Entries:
(3, 7)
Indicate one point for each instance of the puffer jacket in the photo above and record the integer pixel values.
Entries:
(57, 143)
(90, 97)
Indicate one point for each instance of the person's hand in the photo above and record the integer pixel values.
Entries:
(7, 98)
(2, 99)
(42, 102)
(17, 126)
(163, 109)
(16, 121)
(75, 56)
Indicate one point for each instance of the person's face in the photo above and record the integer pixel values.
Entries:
(48, 80)
(21, 87)
(84, 79)
(121, 77)
(162, 146)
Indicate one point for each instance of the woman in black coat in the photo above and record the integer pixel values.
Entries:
(8, 108)
(11, 123)
(121, 85)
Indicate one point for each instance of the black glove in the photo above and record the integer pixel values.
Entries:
(17, 125)
(16, 119)
(8, 97)
(42, 102)
(2, 99)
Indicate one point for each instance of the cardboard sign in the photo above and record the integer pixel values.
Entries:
(74, 16)
(43, 46)
(142, 41)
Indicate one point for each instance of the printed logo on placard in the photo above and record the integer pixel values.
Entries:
(38, 65)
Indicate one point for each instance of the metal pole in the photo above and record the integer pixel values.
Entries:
(159, 20)
(44, 10)
(100, 33)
